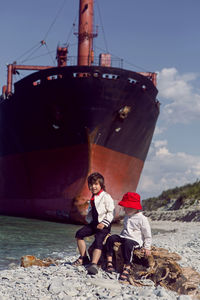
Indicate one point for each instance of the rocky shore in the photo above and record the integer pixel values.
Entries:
(66, 282)
(183, 215)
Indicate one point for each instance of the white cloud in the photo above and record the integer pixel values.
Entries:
(165, 170)
(160, 143)
(183, 100)
(159, 130)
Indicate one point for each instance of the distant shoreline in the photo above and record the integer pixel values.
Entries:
(181, 215)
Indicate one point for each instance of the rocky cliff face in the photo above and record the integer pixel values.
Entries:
(178, 204)
(183, 215)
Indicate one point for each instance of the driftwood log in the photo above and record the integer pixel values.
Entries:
(161, 267)
(30, 260)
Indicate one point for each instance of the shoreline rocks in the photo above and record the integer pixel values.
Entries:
(183, 215)
(66, 282)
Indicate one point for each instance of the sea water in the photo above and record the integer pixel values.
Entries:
(21, 236)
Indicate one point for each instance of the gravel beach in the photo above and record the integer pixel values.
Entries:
(66, 282)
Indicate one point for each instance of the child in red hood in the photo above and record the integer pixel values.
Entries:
(135, 234)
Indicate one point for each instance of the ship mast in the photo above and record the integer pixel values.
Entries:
(85, 49)
(85, 33)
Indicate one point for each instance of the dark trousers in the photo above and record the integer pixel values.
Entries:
(99, 234)
(127, 247)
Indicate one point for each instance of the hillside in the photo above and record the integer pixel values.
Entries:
(177, 204)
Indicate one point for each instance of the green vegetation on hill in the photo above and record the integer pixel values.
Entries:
(179, 197)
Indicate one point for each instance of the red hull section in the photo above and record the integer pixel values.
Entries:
(53, 184)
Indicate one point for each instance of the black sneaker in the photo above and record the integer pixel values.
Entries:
(92, 269)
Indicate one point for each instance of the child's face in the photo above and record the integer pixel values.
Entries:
(95, 187)
(129, 211)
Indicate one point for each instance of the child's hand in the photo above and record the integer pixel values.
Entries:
(100, 226)
(147, 252)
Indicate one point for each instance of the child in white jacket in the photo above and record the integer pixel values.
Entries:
(135, 234)
(99, 218)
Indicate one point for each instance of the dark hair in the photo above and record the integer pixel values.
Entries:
(96, 177)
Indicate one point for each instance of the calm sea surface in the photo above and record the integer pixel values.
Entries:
(20, 236)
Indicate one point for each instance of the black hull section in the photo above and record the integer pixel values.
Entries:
(68, 103)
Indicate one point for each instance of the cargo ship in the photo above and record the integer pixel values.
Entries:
(60, 124)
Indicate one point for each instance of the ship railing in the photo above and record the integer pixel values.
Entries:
(104, 60)
(96, 61)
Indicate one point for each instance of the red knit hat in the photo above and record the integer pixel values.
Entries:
(131, 200)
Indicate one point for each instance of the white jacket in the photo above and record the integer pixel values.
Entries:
(137, 228)
(105, 208)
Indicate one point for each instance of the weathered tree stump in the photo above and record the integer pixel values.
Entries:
(161, 267)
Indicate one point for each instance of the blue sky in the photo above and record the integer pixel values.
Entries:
(156, 35)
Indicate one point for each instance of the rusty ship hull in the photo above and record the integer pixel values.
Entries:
(60, 125)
